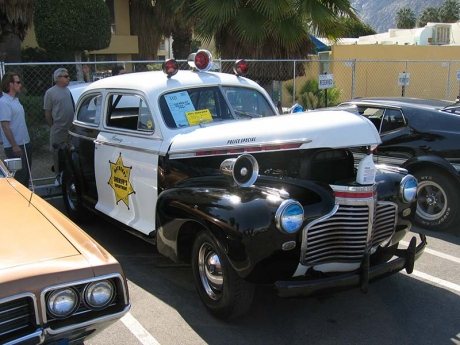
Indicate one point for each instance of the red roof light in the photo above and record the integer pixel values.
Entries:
(170, 67)
(241, 67)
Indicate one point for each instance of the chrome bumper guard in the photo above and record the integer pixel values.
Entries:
(405, 259)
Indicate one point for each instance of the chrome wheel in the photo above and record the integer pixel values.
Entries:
(210, 270)
(431, 201)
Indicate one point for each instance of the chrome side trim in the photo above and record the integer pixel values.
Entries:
(37, 334)
(26, 294)
(78, 282)
(242, 146)
(102, 319)
(80, 136)
(126, 147)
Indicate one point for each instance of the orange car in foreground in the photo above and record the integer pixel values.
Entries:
(56, 282)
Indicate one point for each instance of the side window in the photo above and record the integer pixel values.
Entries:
(128, 111)
(374, 115)
(90, 110)
(393, 119)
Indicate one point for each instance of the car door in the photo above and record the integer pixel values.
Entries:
(126, 161)
(84, 131)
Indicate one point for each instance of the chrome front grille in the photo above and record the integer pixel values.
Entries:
(17, 318)
(352, 227)
(339, 237)
(384, 222)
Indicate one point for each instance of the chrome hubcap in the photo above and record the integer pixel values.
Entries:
(431, 201)
(72, 195)
(210, 271)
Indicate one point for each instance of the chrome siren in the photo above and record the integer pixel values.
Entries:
(244, 169)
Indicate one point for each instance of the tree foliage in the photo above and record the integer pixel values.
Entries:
(449, 11)
(15, 19)
(355, 28)
(429, 15)
(405, 18)
(75, 26)
(268, 29)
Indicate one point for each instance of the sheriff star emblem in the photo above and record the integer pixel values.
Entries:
(119, 181)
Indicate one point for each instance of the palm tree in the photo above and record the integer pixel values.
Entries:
(151, 20)
(15, 18)
(268, 29)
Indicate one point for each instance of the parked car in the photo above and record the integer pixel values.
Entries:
(57, 285)
(422, 136)
(200, 163)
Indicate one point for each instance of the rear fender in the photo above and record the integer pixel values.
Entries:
(430, 161)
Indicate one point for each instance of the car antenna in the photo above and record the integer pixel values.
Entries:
(30, 174)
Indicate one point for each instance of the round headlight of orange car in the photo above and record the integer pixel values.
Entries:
(63, 302)
(99, 294)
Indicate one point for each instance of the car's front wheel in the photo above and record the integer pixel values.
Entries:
(437, 200)
(222, 291)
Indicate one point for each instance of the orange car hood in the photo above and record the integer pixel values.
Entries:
(25, 232)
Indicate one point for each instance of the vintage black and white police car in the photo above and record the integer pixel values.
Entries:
(201, 163)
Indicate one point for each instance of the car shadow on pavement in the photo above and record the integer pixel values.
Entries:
(397, 310)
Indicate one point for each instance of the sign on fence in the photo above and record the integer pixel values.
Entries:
(458, 75)
(403, 79)
(325, 81)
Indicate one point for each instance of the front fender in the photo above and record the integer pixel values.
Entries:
(241, 219)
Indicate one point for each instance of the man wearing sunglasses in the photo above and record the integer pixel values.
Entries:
(59, 109)
(14, 133)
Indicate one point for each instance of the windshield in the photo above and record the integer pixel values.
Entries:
(195, 106)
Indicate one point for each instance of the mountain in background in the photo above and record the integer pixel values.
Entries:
(381, 14)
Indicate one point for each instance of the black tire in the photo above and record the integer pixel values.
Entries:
(72, 197)
(437, 200)
(221, 290)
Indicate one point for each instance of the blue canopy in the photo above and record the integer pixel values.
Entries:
(319, 46)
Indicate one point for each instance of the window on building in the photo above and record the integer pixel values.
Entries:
(111, 6)
(442, 34)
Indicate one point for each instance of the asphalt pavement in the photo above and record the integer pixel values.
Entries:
(421, 308)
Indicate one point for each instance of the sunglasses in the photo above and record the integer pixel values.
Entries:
(17, 81)
(64, 76)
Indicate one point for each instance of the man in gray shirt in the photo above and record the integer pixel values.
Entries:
(59, 109)
(16, 140)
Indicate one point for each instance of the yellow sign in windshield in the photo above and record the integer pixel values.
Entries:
(198, 116)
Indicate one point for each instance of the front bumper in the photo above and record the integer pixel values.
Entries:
(405, 259)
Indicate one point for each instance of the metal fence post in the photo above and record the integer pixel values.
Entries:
(2, 69)
(293, 86)
(448, 81)
(353, 78)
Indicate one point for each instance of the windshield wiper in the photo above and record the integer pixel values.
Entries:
(246, 114)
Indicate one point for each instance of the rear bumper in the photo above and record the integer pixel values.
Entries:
(405, 259)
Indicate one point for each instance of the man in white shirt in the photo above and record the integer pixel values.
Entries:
(15, 136)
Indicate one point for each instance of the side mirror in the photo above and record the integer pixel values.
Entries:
(13, 164)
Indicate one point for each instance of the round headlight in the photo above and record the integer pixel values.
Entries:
(61, 303)
(408, 188)
(289, 216)
(99, 294)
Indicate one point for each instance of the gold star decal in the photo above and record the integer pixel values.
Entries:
(119, 181)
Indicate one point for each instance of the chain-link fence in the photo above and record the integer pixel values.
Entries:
(287, 82)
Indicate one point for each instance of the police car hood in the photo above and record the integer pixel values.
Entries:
(328, 128)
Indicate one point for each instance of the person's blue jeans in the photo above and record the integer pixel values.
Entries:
(22, 175)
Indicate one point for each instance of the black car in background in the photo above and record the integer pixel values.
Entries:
(422, 136)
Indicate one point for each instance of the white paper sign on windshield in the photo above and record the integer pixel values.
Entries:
(179, 104)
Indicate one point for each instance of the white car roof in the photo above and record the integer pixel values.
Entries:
(157, 82)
